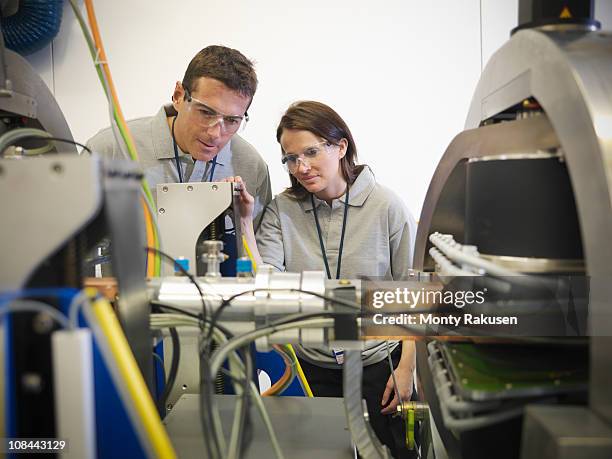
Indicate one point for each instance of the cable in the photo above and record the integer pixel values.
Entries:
(249, 253)
(226, 302)
(161, 363)
(128, 379)
(235, 362)
(77, 303)
(34, 306)
(186, 273)
(188, 318)
(175, 309)
(58, 139)
(300, 372)
(176, 356)
(241, 410)
(390, 360)
(240, 341)
(10, 137)
(287, 375)
(118, 123)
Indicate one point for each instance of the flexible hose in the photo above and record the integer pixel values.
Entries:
(9, 138)
(33, 26)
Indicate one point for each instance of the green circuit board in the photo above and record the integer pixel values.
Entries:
(501, 371)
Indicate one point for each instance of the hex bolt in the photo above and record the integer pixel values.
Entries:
(32, 382)
(42, 323)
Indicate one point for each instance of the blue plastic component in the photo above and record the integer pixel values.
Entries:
(183, 263)
(115, 435)
(244, 265)
(34, 25)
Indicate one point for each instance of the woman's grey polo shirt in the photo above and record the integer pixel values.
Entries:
(379, 242)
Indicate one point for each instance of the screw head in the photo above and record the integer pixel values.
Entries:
(32, 382)
(162, 210)
(42, 323)
(164, 189)
(57, 168)
(189, 188)
(215, 187)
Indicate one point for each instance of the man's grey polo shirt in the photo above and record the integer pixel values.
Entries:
(155, 149)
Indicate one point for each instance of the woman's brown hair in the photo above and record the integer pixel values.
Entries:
(323, 122)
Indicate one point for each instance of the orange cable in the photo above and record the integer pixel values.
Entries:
(93, 23)
(283, 379)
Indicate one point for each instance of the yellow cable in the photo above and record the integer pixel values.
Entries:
(301, 374)
(249, 253)
(150, 238)
(157, 435)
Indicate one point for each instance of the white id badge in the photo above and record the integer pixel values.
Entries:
(338, 355)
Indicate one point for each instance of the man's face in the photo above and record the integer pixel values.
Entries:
(192, 132)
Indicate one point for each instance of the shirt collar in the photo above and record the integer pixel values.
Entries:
(361, 188)
(163, 147)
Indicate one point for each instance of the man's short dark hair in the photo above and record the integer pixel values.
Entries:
(227, 65)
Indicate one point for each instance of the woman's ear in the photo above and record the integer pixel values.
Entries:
(343, 144)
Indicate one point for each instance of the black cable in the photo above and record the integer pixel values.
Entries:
(206, 415)
(245, 428)
(158, 305)
(176, 356)
(161, 363)
(185, 272)
(226, 302)
(56, 139)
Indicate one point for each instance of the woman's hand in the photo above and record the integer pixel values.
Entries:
(246, 201)
(403, 376)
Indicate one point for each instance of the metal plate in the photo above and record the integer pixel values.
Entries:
(184, 210)
(306, 427)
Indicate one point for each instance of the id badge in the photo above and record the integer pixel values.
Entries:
(338, 355)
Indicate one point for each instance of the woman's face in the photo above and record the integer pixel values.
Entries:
(318, 166)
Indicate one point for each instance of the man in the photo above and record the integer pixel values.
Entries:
(195, 138)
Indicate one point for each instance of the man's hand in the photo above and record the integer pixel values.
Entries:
(403, 377)
(246, 201)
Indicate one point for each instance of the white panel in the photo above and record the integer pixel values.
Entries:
(603, 13)
(498, 19)
(400, 72)
(42, 62)
(73, 383)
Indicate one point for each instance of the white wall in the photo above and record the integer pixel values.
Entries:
(400, 72)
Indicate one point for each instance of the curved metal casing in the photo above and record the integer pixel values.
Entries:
(29, 96)
(570, 76)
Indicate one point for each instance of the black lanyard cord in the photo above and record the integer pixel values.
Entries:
(178, 162)
(176, 155)
(320, 234)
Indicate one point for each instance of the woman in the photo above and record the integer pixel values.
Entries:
(310, 227)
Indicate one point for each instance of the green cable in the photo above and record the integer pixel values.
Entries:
(122, 127)
(410, 429)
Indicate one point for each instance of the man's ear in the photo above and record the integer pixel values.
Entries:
(178, 95)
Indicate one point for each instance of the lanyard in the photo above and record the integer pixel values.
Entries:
(178, 163)
(314, 211)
